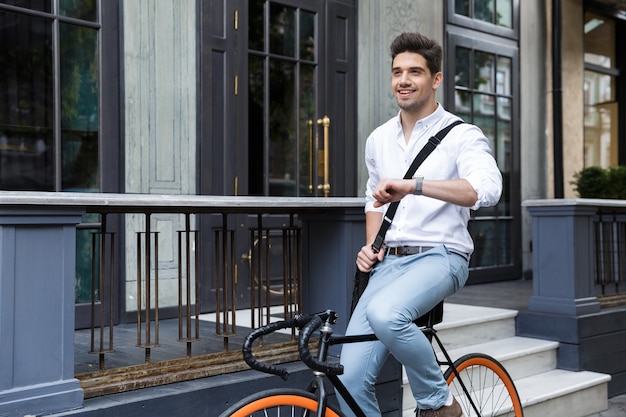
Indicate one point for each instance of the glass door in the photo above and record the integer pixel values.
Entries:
(278, 77)
(283, 91)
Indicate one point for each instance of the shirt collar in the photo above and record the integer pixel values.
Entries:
(424, 124)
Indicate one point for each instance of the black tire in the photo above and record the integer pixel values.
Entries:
(489, 385)
(270, 403)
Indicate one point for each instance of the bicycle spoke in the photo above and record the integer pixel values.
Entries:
(487, 385)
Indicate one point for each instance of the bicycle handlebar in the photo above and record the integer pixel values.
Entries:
(308, 324)
(246, 349)
(305, 354)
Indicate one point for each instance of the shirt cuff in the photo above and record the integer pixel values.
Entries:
(476, 184)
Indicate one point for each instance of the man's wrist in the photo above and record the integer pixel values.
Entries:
(419, 180)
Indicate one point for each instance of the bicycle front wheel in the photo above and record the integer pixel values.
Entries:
(279, 402)
(483, 387)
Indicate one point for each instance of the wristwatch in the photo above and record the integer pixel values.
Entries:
(418, 185)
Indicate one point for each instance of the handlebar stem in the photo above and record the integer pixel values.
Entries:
(326, 332)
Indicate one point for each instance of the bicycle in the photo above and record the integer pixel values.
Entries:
(479, 382)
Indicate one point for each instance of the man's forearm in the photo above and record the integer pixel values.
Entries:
(373, 220)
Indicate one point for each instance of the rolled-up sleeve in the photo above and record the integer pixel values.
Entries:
(370, 163)
(478, 166)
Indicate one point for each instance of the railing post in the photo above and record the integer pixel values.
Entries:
(37, 279)
(563, 268)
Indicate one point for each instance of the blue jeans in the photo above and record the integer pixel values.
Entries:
(400, 289)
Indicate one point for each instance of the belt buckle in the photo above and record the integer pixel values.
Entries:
(391, 251)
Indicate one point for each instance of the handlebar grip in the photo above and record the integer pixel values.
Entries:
(305, 353)
(248, 356)
(246, 349)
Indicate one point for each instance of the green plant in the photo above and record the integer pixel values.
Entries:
(597, 182)
(616, 187)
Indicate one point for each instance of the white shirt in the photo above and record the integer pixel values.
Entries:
(463, 153)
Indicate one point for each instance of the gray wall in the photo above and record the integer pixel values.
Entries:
(380, 21)
(533, 116)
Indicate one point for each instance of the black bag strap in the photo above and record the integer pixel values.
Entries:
(430, 146)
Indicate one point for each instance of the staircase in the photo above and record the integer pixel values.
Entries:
(545, 391)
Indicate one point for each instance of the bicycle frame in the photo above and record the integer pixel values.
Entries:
(321, 322)
(327, 339)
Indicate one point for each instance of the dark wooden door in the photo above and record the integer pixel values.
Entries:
(278, 119)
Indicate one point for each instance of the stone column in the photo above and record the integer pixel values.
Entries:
(37, 278)
(563, 259)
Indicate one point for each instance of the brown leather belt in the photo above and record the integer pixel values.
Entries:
(407, 250)
(414, 250)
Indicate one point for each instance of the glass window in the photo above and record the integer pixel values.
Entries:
(483, 96)
(79, 108)
(484, 10)
(282, 125)
(497, 12)
(282, 30)
(49, 113)
(256, 23)
(483, 57)
(79, 9)
(504, 15)
(282, 94)
(307, 36)
(599, 40)
(601, 127)
(50, 108)
(38, 5)
(26, 103)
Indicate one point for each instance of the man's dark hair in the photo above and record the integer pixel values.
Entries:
(420, 44)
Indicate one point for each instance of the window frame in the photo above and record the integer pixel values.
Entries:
(109, 129)
(619, 71)
(504, 46)
(477, 25)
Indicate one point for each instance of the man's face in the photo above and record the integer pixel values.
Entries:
(412, 83)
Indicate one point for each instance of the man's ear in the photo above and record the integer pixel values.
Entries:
(437, 79)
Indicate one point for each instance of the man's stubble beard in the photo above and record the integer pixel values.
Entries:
(412, 106)
(419, 104)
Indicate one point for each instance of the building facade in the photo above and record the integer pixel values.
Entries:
(277, 97)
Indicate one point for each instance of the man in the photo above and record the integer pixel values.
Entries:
(427, 248)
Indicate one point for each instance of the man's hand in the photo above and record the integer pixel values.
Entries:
(389, 190)
(367, 258)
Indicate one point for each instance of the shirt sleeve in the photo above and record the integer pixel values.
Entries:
(372, 181)
(478, 166)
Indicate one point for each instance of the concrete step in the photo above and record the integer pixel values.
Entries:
(469, 325)
(520, 356)
(559, 393)
(544, 390)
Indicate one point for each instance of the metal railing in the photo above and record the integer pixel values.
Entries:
(579, 254)
(141, 349)
(610, 255)
(263, 295)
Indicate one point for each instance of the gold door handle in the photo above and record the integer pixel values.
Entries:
(325, 122)
(310, 125)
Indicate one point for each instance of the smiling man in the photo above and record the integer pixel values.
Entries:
(427, 247)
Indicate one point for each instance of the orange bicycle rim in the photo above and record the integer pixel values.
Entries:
(504, 377)
(278, 400)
